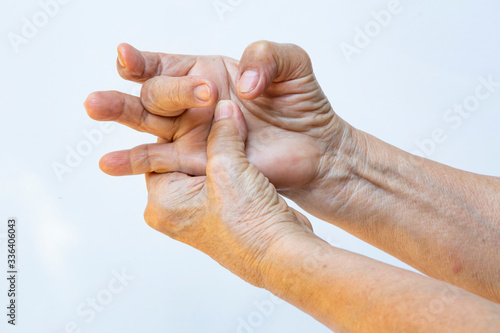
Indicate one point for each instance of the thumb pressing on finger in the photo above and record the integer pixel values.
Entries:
(226, 142)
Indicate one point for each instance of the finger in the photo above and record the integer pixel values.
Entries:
(138, 66)
(170, 96)
(156, 157)
(128, 110)
(226, 141)
(264, 63)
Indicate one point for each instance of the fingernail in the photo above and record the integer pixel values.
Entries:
(248, 81)
(202, 92)
(223, 110)
(120, 60)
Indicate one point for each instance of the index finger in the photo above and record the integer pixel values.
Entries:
(138, 66)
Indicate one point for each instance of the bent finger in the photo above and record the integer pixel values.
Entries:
(171, 96)
(264, 63)
(139, 66)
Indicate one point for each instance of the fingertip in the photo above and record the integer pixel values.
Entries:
(103, 105)
(123, 45)
(104, 165)
(249, 85)
(203, 93)
(125, 50)
(115, 164)
(92, 104)
(121, 60)
(88, 101)
(206, 93)
(223, 110)
(129, 61)
(228, 109)
(248, 81)
(248, 96)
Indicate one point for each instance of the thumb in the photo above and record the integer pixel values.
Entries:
(226, 142)
(264, 63)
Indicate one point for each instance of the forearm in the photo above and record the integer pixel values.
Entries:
(442, 221)
(351, 293)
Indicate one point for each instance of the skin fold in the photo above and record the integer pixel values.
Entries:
(234, 135)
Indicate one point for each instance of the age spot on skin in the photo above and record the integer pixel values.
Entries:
(456, 268)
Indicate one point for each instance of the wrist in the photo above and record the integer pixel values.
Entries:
(339, 172)
(365, 185)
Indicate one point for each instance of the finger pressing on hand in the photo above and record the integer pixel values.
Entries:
(139, 66)
(264, 63)
(170, 96)
(226, 141)
(156, 157)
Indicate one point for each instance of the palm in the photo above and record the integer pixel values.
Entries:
(289, 123)
(283, 149)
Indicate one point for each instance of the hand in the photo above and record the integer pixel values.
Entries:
(291, 124)
(233, 214)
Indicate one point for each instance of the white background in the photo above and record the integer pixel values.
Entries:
(73, 234)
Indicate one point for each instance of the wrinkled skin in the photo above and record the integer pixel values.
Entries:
(233, 214)
(291, 124)
(210, 185)
(219, 193)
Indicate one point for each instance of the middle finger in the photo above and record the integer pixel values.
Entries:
(129, 111)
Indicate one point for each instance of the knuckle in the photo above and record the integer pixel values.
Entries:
(171, 211)
(225, 169)
(186, 91)
(169, 221)
(218, 163)
(143, 121)
(177, 94)
(140, 159)
(147, 94)
(158, 217)
(176, 125)
(151, 217)
(261, 48)
(302, 53)
(161, 160)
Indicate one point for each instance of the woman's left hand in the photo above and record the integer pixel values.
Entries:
(233, 214)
